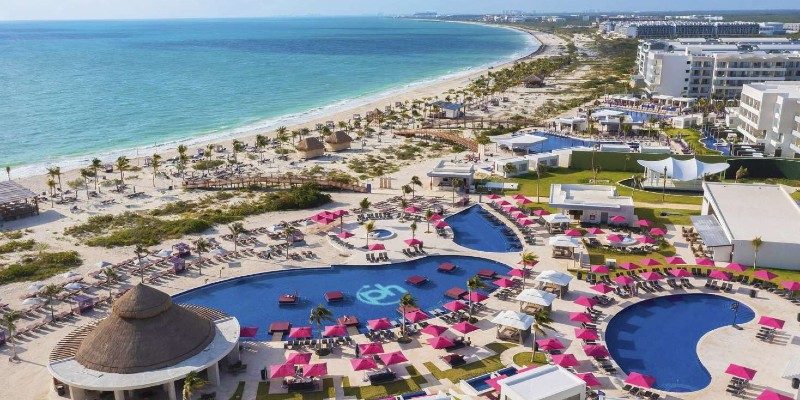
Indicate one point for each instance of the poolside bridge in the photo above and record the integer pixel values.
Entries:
(266, 181)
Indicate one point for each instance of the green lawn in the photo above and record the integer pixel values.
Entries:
(327, 392)
(237, 395)
(390, 389)
(472, 369)
(692, 137)
(524, 359)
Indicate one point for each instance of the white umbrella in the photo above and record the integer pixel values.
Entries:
(307, 222)
(535, 296)
(35, 287)
(259, 244)
(554, 277)
(73, 286)
(103, 264)
(218, 251)
(164, 253)
(141, 261)
(69, 274)
(243, 236)
(32, 301)
(564, 241)
(513, 319)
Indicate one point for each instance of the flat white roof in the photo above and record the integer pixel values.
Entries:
(750, 210)
(525, 140)
(541, 383)
(574, 196)
(447, 168)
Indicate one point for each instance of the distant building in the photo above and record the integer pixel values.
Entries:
(534, 81)
(769, 113)
(443, 174)
(309, 148)
(685, 29)
(426, 14)
(449, 110)
(771, 28)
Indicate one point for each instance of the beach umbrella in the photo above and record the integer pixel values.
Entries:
(651, 276)
(441, 224)
(218, 251)
(519, 215)
(614, 238)
(599, 269)
(281, 371)
(680, 273)
(455, 305)
(565, 360)
(573, 232)
(476, 297)
(791, 285)
(528, 264)
(623, 280)
(518, 196)
(524, 201)
(433, 330)
(103, 264)
(435, 217)
(540, 213)
(703, 261)
(493, 196)
(590, 379)
(392, 358)
(341, 212)
(416, 316)
(327, 220)
(580, 317)
(361, 364)
(166, 253)
(504, 282)
(32, 301)
(770, 395)
(298, 358)
(629, 266)
(345, 235)
(303, 332)
(73, 286)
(602, 288)
(510, 209)
(377, 246)
(248, 332)
(35, 287)
(464, 327)
(379, 324)
(649, 262)
(413, 242)
(335, 330)
(70, 274)
(518, 273)
(675, 260)
(586, 334)
(310, 371)
(765, 275)
(658, 232)
(585, 301)
(412, 209)
(771, 322)
(646, 240)
(548, 344)
(640, 380)
(526, 222)
(618, 219)
(595, 231)
(595, 350)
(502, 203)
(717, 274)
(440, 342)
(370, 348)
(741, 372)
(644, 223)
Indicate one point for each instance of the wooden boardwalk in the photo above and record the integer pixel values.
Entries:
(266, 181)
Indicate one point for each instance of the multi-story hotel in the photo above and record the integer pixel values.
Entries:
(670, 29)
(769, 113)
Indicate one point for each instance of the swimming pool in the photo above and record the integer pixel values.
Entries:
(370, 291)
(636, 116)
(555, 142)
(480, 383)
(658, 337)
(382, 234)
(475, 231)
(709, 141)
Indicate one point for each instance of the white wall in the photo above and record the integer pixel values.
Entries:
(770, 254)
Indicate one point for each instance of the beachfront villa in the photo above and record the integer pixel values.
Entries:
(593, 204)
(571, 124)
(338, 141)
(310, 147)
(443, 174)
(735, 214)
(449, 110)
(674, 174)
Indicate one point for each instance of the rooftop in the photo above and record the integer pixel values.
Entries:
(446, 168)
(769, 211)
(594, 196)
(12, 191)
(790, 89)
(541, 383)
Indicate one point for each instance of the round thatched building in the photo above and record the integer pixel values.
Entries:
(338, 141)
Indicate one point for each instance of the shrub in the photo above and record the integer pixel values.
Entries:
(40, 266)
(17, 245)
(204, 165)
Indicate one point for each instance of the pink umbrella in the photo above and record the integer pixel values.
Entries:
(518, 273)
(370, 348)
(393, 358)
(595, 350)
(341, 212)
(640, 380)
(495, 382)
(416, 316)
(345, 235)
(646, 240)
(624, 280)
(464, 327)
(433, 330)
(310, 371)
(377, 246)
(413, 242)
(248, 331)
(595, 231)
(502, 203)
(618, 219)
(519, 214)
(326, 220)
(281, 371)
(675, 260)
(765, 275)
(573, 232)
(334, 330)
(504, 282)
(649, 262)
(741, 372)
(528, 264)
(455, 305)
(585, 301)
(540, 213)
(565, 360)
(599, 269)
(717, 274)
(645, 223)
(378, 324)
(435, 217)
(706, 262)
(614, 238)
(602, 288)
(477, 297)
(361, 364)
(770, 395)
(658, 232)
(441, 224)
(680, 273)
(548, 344)
(303, 332)
(629, 266)
(791, 285)
(412, 209)
(771, 322)
(493, 196)
(298, 358)
(590, 379)
(651, 276)
(586, 334)
(509, 209)
(580, 317)
(524, 201)
(518, 196)
(440, 342)
(526, 222)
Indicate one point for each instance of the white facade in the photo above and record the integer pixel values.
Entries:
(445, 172)
(769, 113)
(520, 164)
(549, 382)
(591, 203)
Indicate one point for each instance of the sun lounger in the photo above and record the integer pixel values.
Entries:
(334, 296)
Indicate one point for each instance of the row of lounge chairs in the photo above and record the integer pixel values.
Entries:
(766, 334)
(641, 393)
(714, 285)
(376, 258)
(514, 242)
(341, 242)
(414, 251)
(737, 386)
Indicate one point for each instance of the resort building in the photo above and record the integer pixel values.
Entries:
(703, 68)
(448, 110)
(674, 174)
(510, 166)
(732, 215)
(769, 114)
(309, 148)
(549, 382)
(594, 204)
(144, 347)
(517, 143)
(684, 29)
(338, 141)
(16, 201)
(444, 173)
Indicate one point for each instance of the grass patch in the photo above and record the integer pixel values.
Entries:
(524, 359)
(40, 266)
(665, 216)
(17, 245)
(473, 369)
(391, 389)
(327, 392)
(692, 137)
(598, 255)
(237, 395)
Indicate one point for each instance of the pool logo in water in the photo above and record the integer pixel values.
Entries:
(379, 295)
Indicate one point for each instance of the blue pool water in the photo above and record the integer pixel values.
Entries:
(709, 141)
(658, 337)
(370, 291)
(479, 383)
(636, 116)
(381, 233)
(555, 142)
(473, 230)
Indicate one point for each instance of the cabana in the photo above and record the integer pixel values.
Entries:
(338, 141)
(83, 303)
(548, 382)
(448, 110)
(16, 201)
(674, 174)
(182, 250)
(536, 298)
(443, 174)
(553, 280)
(518, 142)
(309, 148)
(571, 123)
(556, 223)
(534, 81)
(513, 326)
(563, 246)
(593, 204)
(178, 265)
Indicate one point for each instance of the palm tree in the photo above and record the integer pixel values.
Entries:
(50, 291)
(414, 182)
(288, 233)
(85, 174)
(96, 164)
(111, 277)
(183, 157)
(8, 171)
(140, 252)
(236, 229)
(369, 227)
(201, 246)
(756, 242)
(527, 258)
(740, 174)
(9, 321)
(406, 190)
(428, 215)
(318, 315)
(456, 183)
(620, 121)
(541, 322)
(540, 168)
(51, 184)
(209, 150)
(238, 147)
(155, 162)
(123, 163)
(364, 204)
(191, 383)
(474, 283)
(413, 227)
(55, 172)
(261, 142)
(280, 134)
(407, 301)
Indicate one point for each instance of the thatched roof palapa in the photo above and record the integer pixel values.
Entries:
(310, 144)
(338, 137)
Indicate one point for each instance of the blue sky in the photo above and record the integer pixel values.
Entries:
(115, 9)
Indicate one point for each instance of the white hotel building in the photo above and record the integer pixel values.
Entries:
(703, 68)
(769, 113)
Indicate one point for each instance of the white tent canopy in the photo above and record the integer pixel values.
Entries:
(683, 170)
(556, 219)
(513, 319)
(536, 296)
(554, 277)
(564, 241)
(518, 142)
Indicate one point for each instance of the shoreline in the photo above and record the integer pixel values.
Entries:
(308, 117)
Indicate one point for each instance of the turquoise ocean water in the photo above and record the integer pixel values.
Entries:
(72, 90)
